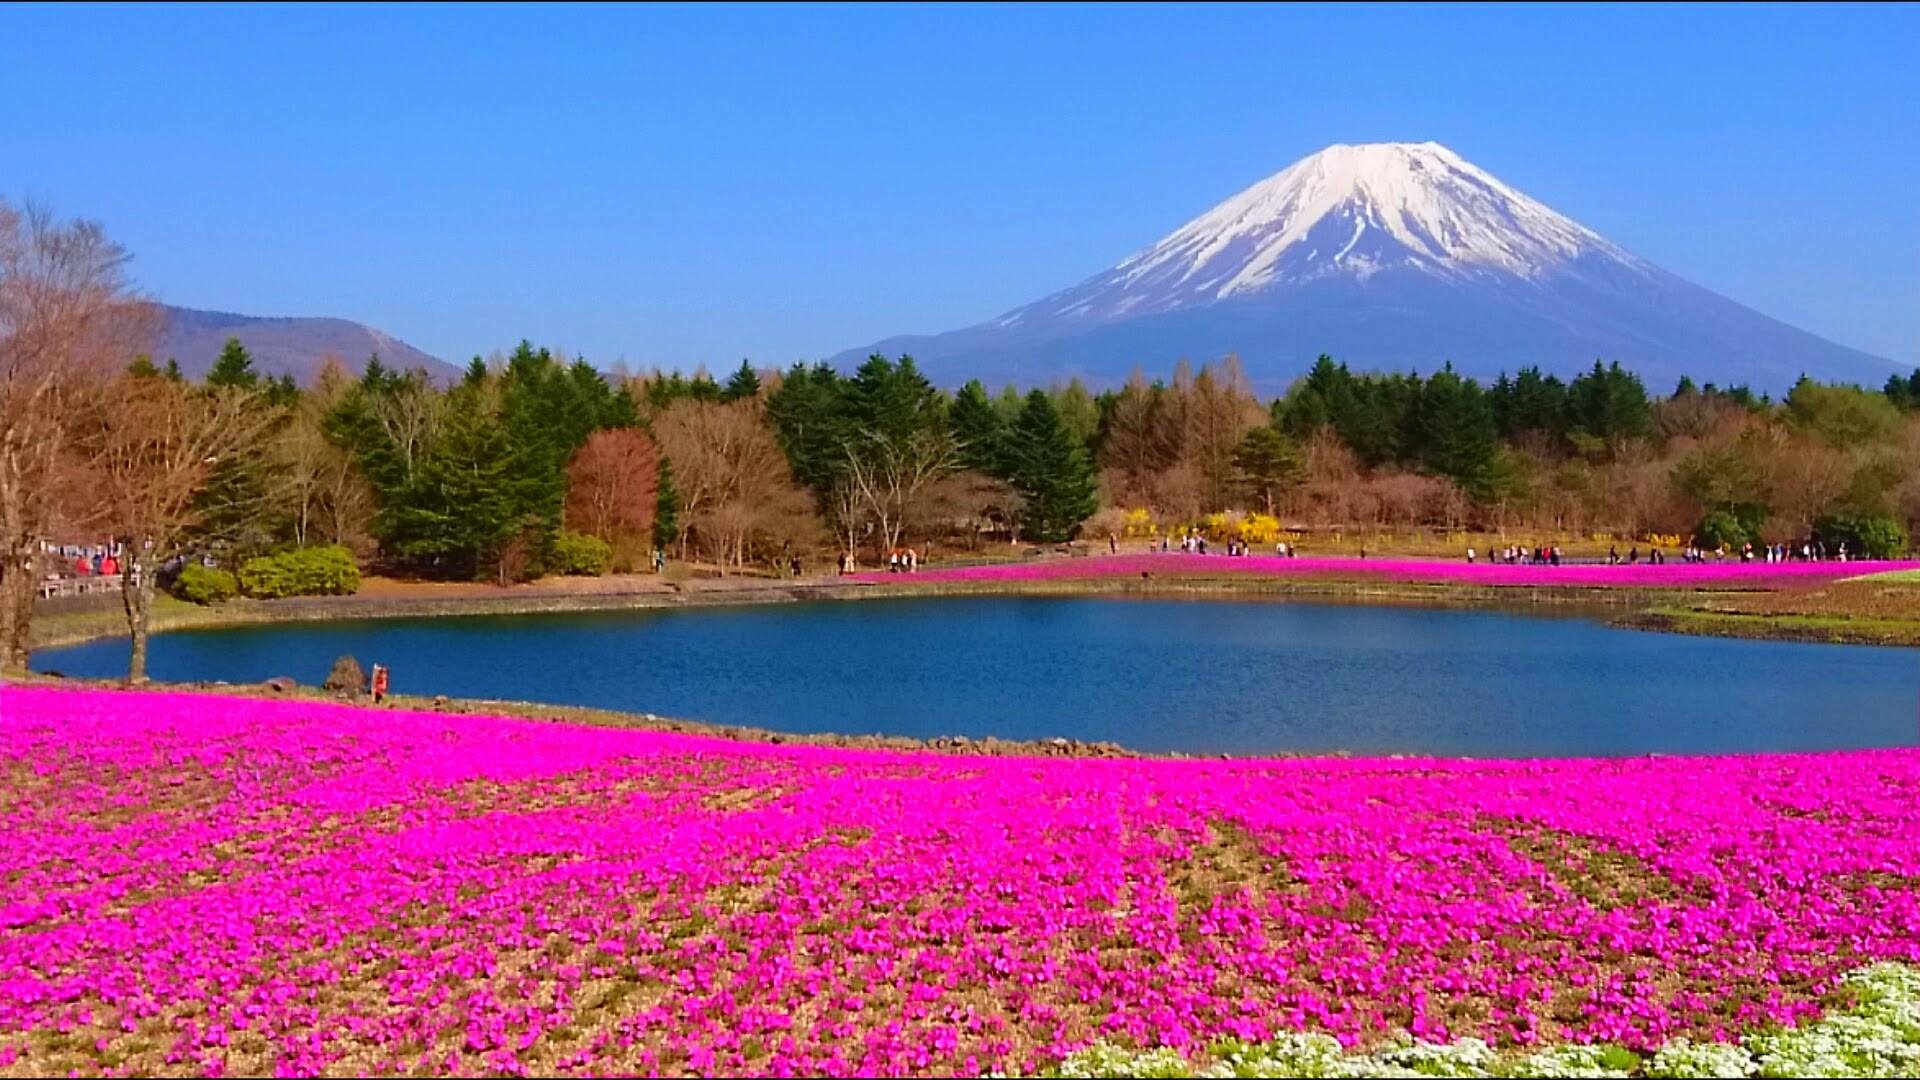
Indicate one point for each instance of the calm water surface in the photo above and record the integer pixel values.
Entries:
(1203, 676)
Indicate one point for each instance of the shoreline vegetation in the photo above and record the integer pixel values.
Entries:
(1839, 603)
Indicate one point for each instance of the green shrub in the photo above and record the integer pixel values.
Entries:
(315, 571)
(1721, 527)
(581, 554)
(1870, 536)
(199, 584)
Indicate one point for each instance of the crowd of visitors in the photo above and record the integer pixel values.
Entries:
(85, 560)
(1805, 551)
(1551, 555)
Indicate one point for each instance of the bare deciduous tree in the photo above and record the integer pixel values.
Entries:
(150, 447)
(67, 318)
(968, 503)
(890, 474)
(733, 479)
(323, 494)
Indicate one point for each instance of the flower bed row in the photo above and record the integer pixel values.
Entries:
(1672, 575)
(196, 884)
(1876, 1034)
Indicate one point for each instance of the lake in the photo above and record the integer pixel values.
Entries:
(1204, 676)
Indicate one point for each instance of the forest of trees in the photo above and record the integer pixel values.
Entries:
(530, 459)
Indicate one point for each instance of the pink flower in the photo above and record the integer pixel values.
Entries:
(357, 887)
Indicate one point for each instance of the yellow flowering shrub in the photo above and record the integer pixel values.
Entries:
(1260, 530)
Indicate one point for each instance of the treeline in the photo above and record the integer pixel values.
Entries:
(533, 464)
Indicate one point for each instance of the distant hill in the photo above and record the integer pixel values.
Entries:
(283, 346)
(1389, 255)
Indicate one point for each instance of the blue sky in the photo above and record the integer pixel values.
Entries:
(683, 185)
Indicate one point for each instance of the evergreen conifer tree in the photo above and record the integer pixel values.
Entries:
(234, 368)
(1267, 462)
(744, 383)
(666, 508)
(1051, 472)
(810, 417)
(1453, 431)
(979, 430)
(461, 508)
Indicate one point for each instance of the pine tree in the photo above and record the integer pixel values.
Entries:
(173, 372)
(978, 430)
(1010, 403)
(744, 383)
(1265, 462)
(461, 507)
(1607, 405)
(1453, 431)
(143, 367)
(1051, 472)
(666, 508)
(1904, 391)
(1311, 404)
(283, 392)
(810, 416)
(893, 401)
(234, 368)
(1532, 403)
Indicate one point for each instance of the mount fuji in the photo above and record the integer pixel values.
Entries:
(1387, 256)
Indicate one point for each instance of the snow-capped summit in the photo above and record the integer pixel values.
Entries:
(1347, 210)
(1387, 255)
(1412, 204)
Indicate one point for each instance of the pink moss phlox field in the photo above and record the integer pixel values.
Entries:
(199, 884)
(1672, 575)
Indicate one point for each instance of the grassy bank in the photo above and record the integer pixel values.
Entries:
(1880, 610)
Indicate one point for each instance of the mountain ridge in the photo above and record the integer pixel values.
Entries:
(1388, 255)
(283, 345)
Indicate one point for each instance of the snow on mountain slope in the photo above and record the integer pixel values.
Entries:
(1393, 255)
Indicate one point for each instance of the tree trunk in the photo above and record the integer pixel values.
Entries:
(136, 595)
(16, 609)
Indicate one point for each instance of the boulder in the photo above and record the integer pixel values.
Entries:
(281, 684)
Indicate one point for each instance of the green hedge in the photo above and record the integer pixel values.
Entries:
(581, 554)
(1870, 536)
(199, 584)
(315, 571)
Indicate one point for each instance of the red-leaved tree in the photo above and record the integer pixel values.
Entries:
(612, 484)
